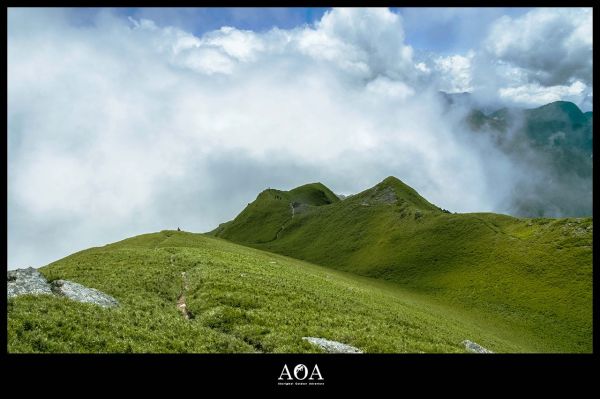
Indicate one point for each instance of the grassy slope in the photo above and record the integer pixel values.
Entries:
(242, 300)
(529, 276)
(271, 209)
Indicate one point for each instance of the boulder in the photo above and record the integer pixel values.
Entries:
(80, 293)
(26, 281)
(31, 281)
(475, 348)
(332, 346)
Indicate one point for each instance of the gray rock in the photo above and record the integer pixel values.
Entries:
(332, 346)
(31, 281)
(26, 281)
(475, 348)
(298, 208)
(385, 196)
(378, 195)
(80, 293)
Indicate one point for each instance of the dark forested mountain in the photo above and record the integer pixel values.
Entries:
(551, 147)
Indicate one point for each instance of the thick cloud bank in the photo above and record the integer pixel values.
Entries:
(542, 56)
(121, 127)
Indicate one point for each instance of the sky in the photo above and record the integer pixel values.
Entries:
(129, 121)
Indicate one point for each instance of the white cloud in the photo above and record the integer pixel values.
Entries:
(455, 72)
(371, 37)
(123, 127)
(534, 95)
(422, 67)
(241, 45)
(386, 87)
(553, 46)
(542, 54)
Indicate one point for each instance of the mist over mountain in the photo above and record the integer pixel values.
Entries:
(381, 271)
(129, 121)
(160, 124)
(550, 147)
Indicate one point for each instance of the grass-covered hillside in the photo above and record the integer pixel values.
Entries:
(272, 209)
(238, 299)
(533, 277)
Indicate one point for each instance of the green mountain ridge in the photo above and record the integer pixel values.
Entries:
(274, 209)
(531, 275)
(390, 273)
(393, 190)
(384, 270)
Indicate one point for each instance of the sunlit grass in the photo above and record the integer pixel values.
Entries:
(532, 276)
(242, 300)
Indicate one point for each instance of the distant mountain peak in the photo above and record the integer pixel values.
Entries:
(391, 179)
(402, 192)
(557, 111)
(562, 104)
(313, 194)
(310, 194)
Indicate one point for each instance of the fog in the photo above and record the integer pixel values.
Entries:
(120, 127)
